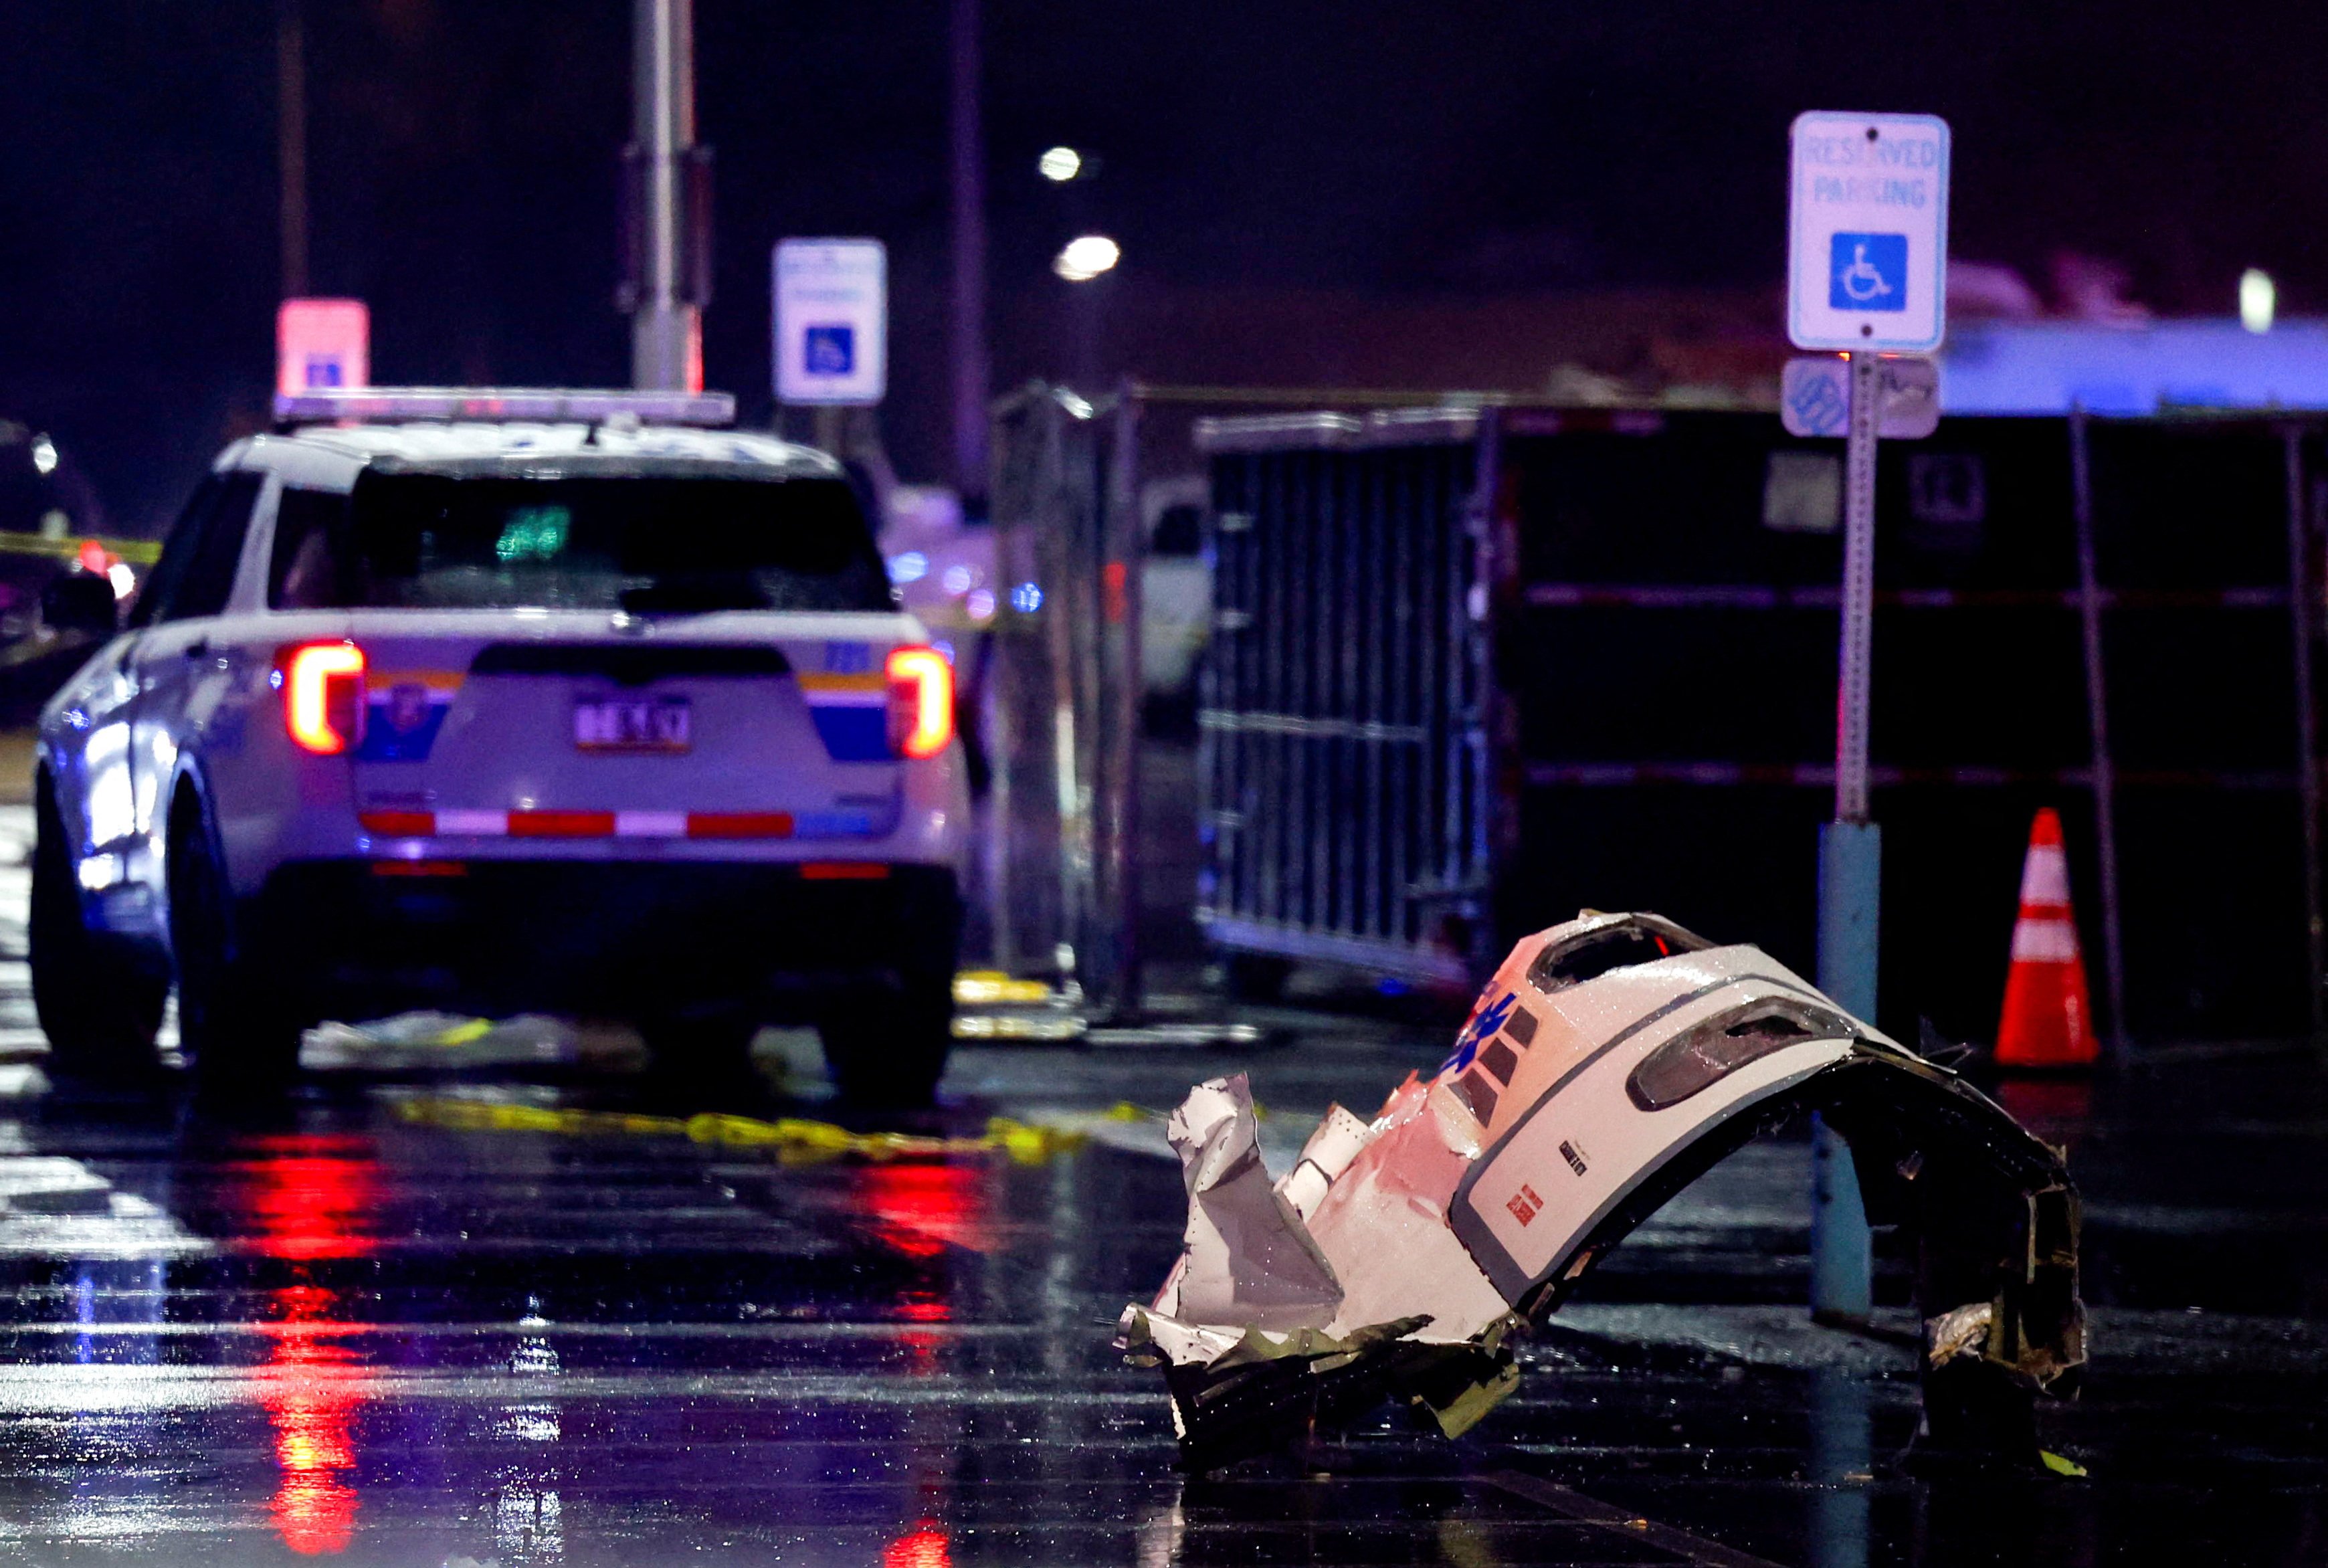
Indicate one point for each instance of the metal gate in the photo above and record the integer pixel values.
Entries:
(1474, 670)
(1342, 733)
(1061, 711)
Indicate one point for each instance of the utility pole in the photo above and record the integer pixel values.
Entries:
(968, 182)
(291, 146)
(668, 273)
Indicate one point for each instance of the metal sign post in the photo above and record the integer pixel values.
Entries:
(1867, 257)
(1850, 859)
(1858, 605)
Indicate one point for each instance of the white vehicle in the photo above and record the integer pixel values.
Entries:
(498, 701)
(1176, 585)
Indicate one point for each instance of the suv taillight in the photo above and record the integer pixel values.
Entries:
(323, 695)
(921, 701)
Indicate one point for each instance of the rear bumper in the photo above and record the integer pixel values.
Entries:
(602, 939)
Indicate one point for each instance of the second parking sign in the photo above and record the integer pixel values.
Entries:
(832, 321)
(1867, 229)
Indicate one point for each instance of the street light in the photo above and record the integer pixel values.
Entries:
(2259, 300)
(1085, 257)
(1060, 164)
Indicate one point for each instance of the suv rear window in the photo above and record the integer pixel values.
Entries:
(643, 544)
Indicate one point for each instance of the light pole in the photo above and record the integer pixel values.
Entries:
(291, 145)
(969, 185)
(669, 274)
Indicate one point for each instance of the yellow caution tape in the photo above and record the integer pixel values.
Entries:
(142, 552)
(795, 1140)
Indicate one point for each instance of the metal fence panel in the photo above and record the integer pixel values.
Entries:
(2113, 618)
(1060, 719)
(1341, 731)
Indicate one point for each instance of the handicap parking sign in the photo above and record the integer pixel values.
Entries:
(321, 342)
(1867, 272)
(831, 317)
(830, 351)
(1867, 233)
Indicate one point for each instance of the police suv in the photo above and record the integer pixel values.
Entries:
(502, 701)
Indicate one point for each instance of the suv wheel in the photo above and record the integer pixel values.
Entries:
(888, 1048)
(237, 1023)
(99, 996)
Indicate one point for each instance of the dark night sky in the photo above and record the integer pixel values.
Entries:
(463, 158)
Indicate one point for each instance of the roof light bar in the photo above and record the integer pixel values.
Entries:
(326, 405)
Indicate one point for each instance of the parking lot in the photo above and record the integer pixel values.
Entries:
(428, 1317)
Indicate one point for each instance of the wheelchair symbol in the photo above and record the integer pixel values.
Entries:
(1868, 272)
(1860, 281)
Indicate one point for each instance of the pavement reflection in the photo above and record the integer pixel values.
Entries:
(310, 1388)
(335, 1330)
(310, 1200)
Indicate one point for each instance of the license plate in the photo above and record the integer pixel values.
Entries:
(632, 723)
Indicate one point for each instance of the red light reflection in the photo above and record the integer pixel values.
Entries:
(923, 1206)
(925, 1547)
(2057, 1109)
(922, 1209)
(310, 1388)
(312, 1205)
(311, 1201)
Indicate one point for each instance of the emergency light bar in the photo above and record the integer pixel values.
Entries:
(328, 405)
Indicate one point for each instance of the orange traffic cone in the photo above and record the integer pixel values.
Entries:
(2048, 1018)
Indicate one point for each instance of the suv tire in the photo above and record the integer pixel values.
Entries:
(99, 996)
(238, 1023)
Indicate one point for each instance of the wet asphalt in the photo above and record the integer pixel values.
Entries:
(352, 1325)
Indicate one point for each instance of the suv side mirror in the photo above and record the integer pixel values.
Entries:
(79, 601)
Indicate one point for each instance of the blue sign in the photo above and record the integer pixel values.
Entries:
(830, 351)
(1867, 272)
(1814, 396)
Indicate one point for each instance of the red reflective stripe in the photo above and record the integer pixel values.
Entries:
(842, 871)
(739, 824)
(399, 824)
(561, 824)
(419, 869)
(580, 824)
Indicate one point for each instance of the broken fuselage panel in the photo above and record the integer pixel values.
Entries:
(1610, 1062)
